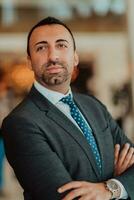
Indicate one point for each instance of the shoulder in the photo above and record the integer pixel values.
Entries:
(23, 110)
(89, 100)
(92, 105)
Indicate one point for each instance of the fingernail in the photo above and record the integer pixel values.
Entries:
(59, 190)
(127, 144)
(117, 144)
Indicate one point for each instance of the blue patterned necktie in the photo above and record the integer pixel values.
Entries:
(75, 113)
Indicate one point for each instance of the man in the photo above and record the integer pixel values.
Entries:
(61, 145)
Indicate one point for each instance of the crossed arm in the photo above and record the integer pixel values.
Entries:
(97, 191)
(123, 159)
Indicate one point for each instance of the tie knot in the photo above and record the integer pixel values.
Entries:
(68, 100)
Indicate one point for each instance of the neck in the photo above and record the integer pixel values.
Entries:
(61, 88)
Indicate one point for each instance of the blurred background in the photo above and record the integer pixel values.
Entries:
(104, 32)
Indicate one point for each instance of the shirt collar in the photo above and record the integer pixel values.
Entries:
(53, 96)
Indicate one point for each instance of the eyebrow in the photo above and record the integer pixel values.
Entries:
(45, 42)
(62, 40)
(41, 42)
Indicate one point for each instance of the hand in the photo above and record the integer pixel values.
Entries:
(83, 190)
(123, 158)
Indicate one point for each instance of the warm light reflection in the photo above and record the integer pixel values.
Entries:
(21, 78)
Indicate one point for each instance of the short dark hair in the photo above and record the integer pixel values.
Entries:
(48, 21)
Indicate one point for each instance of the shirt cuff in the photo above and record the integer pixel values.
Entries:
(124, 194)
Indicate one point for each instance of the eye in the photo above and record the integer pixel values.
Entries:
(41, 48)
(61, 45)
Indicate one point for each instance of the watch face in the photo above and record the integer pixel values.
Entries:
(114, 188)
(113, 185)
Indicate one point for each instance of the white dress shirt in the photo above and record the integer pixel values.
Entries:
(54, 97)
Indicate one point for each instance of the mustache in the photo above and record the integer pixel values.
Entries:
(48, 64)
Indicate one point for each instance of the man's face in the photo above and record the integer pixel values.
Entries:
(52, 55)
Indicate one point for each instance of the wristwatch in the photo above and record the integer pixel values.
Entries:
(114, 188)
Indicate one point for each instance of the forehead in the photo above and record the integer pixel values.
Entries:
(50, 33)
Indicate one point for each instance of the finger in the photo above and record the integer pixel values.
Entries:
(128, 161)
(116, 153)
(75, 193)
(69, 186)
(128, 157)
(131, 162)
(123, 154)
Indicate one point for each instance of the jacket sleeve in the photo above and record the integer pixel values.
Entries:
(37, 167)
(119, 137)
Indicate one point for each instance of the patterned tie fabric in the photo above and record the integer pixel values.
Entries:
(75, 113)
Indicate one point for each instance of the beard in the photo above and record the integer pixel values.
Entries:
(52, 79)
(55, 79)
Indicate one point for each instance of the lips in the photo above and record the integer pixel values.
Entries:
(54, 69)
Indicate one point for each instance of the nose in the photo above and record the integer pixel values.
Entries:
(53, 54)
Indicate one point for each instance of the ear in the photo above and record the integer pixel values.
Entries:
(29, 62)
(76, 59)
